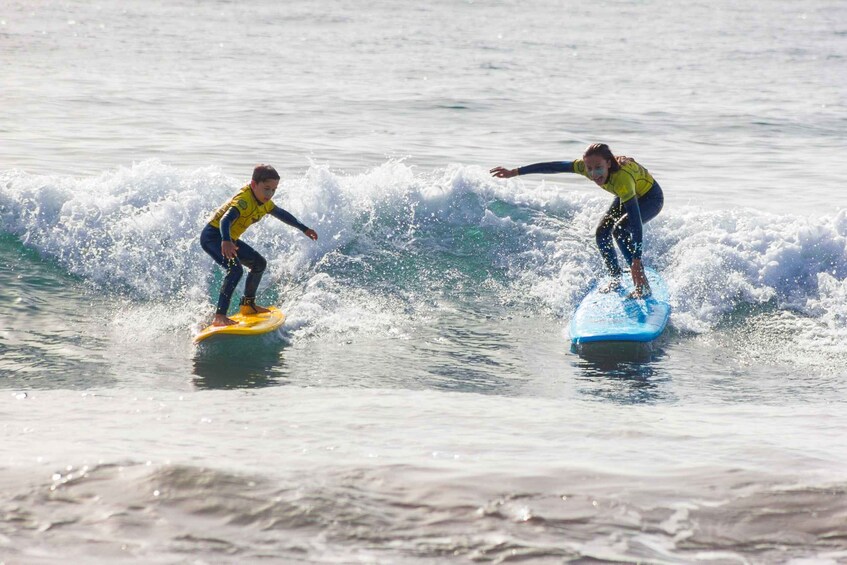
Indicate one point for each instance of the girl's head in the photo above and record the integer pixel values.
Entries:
(600, 162)
(264, 182)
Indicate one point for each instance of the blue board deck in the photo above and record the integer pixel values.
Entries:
(612, 316)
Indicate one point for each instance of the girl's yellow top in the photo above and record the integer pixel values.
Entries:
(631, 180)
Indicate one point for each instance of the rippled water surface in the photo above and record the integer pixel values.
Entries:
(421, 403)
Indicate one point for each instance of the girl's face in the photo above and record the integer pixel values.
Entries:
(597, 169)
(265, 190)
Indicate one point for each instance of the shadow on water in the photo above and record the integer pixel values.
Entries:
(232, 362)
(614, 352)
(623, 372)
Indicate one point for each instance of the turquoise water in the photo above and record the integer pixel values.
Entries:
(421, 403)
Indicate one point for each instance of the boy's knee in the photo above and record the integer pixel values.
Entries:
(235, 270)
(259, 265)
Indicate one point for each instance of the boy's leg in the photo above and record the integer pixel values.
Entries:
(257, 265)
(210, 241)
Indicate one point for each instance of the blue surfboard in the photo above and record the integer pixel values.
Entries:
(612, 316)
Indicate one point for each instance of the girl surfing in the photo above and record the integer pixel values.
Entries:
(638, 199)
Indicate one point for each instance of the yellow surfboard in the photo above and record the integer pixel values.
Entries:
(253, 324)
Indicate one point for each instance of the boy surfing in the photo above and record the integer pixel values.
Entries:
(220, 239)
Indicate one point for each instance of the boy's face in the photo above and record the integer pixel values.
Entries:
(265, 190)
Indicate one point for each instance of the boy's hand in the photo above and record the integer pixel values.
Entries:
(228, 249)
(312, 234)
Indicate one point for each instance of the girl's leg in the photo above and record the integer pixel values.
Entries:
(650, 205)
(603, 236)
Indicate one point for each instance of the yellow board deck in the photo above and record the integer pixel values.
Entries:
(254, 324)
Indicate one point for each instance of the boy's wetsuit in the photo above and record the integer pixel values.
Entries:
(638, 199)
(227, 224)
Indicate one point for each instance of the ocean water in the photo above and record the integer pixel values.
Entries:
(421, 404)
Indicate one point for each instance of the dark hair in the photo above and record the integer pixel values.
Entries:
(603, 151)
(264, 172)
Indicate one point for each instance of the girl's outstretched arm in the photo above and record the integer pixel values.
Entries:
(551, 167)
(503, 173)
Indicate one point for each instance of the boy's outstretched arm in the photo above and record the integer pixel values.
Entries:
(286, 217)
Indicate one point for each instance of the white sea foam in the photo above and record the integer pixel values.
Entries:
(136, 229)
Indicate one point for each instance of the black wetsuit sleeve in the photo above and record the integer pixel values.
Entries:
(226, 223)
(286, 217)
(633, 216)
(547, 168)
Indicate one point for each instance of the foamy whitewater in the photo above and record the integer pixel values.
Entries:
(422, 403)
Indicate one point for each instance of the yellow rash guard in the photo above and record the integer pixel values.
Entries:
(631, 180)
(249, 209)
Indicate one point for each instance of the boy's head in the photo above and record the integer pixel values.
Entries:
(264, 172)
(264, 182)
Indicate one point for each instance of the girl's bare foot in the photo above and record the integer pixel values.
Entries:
(613, 285)
(641, 292)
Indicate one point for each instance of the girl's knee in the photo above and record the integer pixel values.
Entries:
(603, 234)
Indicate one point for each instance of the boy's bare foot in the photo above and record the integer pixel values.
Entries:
(249, 307)
(221, 320)
(254, 309)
